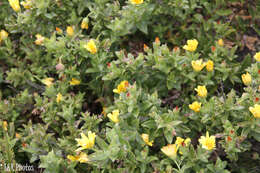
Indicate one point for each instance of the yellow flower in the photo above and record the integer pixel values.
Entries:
(5, 125)
(202, 91)
(145, 138)
(257, 56)
(91, 46)
(191, 45)
(255, 110)
(82, 158)
(15, 5)
(170, 150)
(72, 158)
(84, 24)
(220, 42)
(195, 106)
(86, 142)
(70, 31)
(59, 97)
(27, 4)
(48, 81)
(210, 65)
(39, 39)
(187, 141)
(198, 65)
(246, 78)
(3, 34)
(74, 81)
(208, 142)
(181, 142)
(121, 87)
(136, 1)
(114, 116)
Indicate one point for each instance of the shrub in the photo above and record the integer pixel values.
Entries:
(130, 86)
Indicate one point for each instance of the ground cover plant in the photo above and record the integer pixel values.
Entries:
(160, 86)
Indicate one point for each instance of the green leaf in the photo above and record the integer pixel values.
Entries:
(247, 61)
(50, 162)
(99, 156)
(112, 152)
(168, 135)
(142, 26)
(149, 124)
(101, 143)
(50, 15)
(256, 136)
(224, 12)
(173, 81)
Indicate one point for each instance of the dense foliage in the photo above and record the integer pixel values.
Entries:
(130, 86)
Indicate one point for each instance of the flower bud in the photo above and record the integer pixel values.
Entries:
(59, 67)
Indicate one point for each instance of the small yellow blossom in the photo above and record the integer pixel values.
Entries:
(191, 45)
(72, 158)
(27, 4)
(202, 91)
(208, 142)
(59, 31)
(114, 116)
(198, 65)
(59, 97)
(170, 150)
(247, 79)
(84, 24)
(145, 138)
(136, 1)
(257, 56)
(86, 142)
(187, 141)
(39, 39)
(70, 31)
(181, 142)
(210, 65)
(5, 125)
(121, 87)
(255, 110)
(220, 42)
(48, 81)
(91, 46)
(82, 158)
(15, 4)
(74, 81)
(195, 106)
(3, 35)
